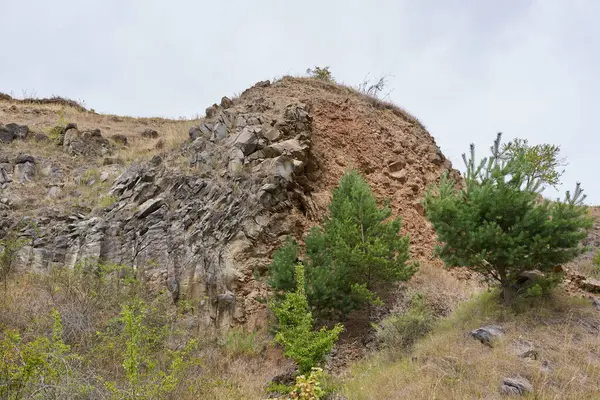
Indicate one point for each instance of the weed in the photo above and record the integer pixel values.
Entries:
(107, 201)
(239, 342)
(321, 73)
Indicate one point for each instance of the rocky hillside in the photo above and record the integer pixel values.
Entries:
(200, 206)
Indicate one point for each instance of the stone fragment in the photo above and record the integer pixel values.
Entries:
(220, 131)
(246, 141)
(149, 207)
(516, 386)
(487, 334)
(226, 102)
(149, 134)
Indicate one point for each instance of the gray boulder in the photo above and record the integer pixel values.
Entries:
(6, 136)
(149, 134)
(515, 386)
(220, 131)
(13, 131)
(487, 334)
(24, 172)
(246, 141)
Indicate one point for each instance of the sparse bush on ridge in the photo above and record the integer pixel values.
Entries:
(321, 73)
(373, 89)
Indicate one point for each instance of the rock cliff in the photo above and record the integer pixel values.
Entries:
(202, 220)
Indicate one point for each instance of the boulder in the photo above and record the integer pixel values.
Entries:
(19, 131)
(6, 136)
(279, 167)
(262, 84)
(24, 172)
(246, 141)
(211, 111)
(88, 143)
(150, 133)
(397, 165)
(24, 158)
(195, 133)
(220, 131)
(515, 386)
(272, 134)
(290, 147)
(590, 284)
(149, 207)
(487, 334)
(4, 176)
(226, 102)
(120, 139)
(54, 192)
(401, 176)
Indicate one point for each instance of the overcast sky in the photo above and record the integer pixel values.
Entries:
(467, 69)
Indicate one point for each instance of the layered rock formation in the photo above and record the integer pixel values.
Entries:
(204, 220)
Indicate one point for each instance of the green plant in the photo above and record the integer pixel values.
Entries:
(399, 332)
(56, 132)
(9, 250)
(596, 262)
(295, 333)
(90, 177)
(145, 379)
(496, 223)
(321, 73)
(36, 367)
(107, 201)
(240, 342)
(308, 387)
(357, 251)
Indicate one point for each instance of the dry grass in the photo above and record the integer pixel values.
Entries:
(377, 103)
(42, 116)
(235, 365)
(448, 364)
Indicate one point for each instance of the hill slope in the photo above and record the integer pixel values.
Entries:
(204, 214)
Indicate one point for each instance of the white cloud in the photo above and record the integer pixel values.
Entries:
(466, 68)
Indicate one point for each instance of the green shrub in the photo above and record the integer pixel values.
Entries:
(145, 377)
(496, 224)
(38, 367)
(321, 73)
(57, 132)
(596, 261)
(308, 387)
(239, 342)
(9, 251)
(357, 250)
(107, 201)
(306, 347)
(399, 332)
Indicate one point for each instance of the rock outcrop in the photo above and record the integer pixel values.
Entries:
(204, 220)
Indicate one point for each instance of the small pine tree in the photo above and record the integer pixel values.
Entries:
(355, 253)
(303, 345)
(496, 224)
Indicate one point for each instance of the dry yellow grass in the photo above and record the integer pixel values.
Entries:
(41, 117)
(449, 364)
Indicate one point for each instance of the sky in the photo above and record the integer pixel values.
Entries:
(467, 69)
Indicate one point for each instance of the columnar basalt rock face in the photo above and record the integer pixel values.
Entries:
(201, 233)
(203, 220)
